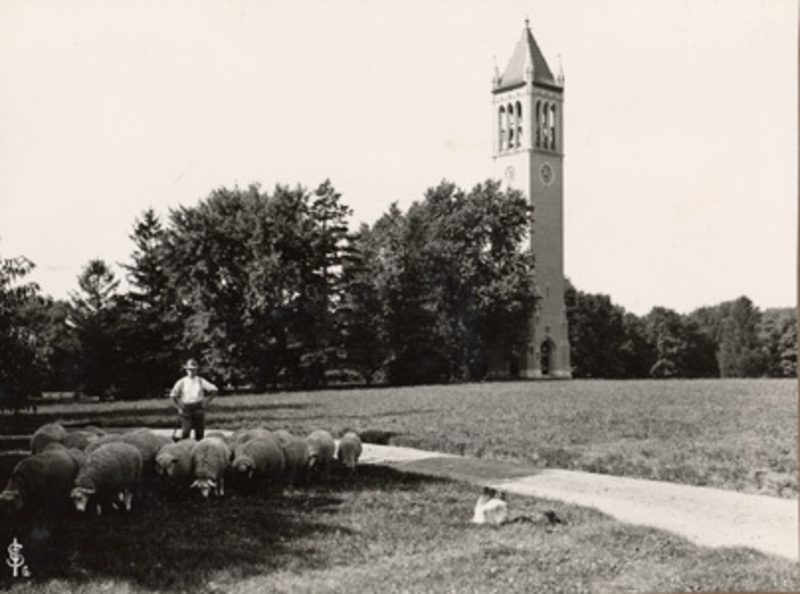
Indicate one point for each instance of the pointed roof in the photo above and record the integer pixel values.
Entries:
(526, 55)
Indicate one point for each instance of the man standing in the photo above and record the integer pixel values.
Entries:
(191, 395)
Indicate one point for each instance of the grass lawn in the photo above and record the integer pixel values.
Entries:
(383, 532)
(392, 532)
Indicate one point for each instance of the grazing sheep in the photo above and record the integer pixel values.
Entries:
(147, 442)
(78, 455)
(349, 450)
(79, 438)
(244, 435)
(283, 436)
(320, 447)
(111, 473)
(174, 461)
(41, 483)
(101, 441)
(211, 457)
(94, 429)
(295, 454)
(47, 434)
(260, 461)
(144, 440)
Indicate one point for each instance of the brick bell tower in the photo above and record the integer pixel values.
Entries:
(528, 122)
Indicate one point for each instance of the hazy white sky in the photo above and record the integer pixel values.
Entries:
(680, 124)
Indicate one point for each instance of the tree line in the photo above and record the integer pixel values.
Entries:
(274, 290)
(729, 340)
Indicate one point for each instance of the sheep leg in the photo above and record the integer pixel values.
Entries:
(128, 498)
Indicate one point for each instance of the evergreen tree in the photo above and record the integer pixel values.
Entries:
(97, 323)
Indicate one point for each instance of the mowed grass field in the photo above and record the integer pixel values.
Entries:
(389, 532)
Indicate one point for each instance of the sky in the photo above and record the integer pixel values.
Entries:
(680, 135)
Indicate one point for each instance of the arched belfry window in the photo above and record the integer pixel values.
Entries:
(543, 125)
(512, 142)
(538, 123)
(518, 109)
(501, 129)
(552, 123)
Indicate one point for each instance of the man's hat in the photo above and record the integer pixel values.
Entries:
(191, 364)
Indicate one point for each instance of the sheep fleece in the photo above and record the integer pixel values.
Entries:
(266, 454)
(210, 458)
(349, 450)
(320, 447)
(47, 434)
(175, 459)
(43, 480)
(111, 468)
(295, 453)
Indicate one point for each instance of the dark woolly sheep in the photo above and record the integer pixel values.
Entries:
(110, 475)
(174, 461)
(295, 454)
(49, 433)
(244, 435)
(211, 457)
(321, 448)
(260, 461)
(40, 484)
(79, 438)
(349, 450)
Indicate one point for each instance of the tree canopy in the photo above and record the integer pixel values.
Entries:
(271, 289)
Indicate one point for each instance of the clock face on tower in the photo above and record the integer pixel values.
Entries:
(546, 174)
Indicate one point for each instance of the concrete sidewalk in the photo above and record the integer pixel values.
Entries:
(705, 516)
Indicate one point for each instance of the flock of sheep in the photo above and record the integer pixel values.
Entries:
(92, 468)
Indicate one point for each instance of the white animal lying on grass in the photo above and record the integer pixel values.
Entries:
(111, 473)
(349, 450)
(491, 508)
(211, 457)
(261, 461)
(41, 483)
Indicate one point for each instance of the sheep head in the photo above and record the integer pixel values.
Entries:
(80, 497)
(205, 486)
(11, 499)
(245, 465)
(163, 463)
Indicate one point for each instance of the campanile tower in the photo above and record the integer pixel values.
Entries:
(528, 120)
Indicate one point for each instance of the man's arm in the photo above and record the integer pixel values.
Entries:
(175, 394)
(209, 390)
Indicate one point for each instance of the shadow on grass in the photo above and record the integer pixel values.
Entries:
(177, 543)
